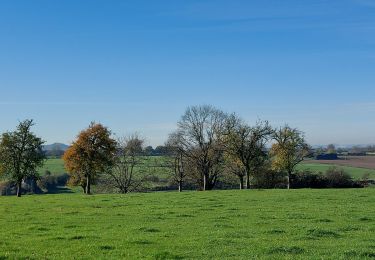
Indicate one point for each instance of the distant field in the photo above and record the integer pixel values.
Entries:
(356, 173)
(56, 166)
(276, 224)
(356, 166)
(366, 162)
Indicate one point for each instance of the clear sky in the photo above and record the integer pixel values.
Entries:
(136, 65)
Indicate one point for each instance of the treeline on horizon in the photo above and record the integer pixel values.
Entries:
(208, 150)
(57, 150)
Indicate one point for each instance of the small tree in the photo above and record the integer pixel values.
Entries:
(148, 151)
(176, 161)
(331, 148)
(21, 154)
(288, 150)
(234, 166)
(123, 176)
(92, 153)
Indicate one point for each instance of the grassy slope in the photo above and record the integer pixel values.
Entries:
(329, 224)
(355, 172)
(55, 166)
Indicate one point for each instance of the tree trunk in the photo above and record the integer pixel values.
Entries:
(247, 180)
(241, 183)
(180, 186)
(288, 181)
(88, 185)
(208, 184)
(19, 188)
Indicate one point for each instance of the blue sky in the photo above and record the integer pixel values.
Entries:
(136, 65)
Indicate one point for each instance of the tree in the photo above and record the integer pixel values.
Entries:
(149, 151)
(21, 154)
(331, 148)
(160, 150)
(201, 131)
(93, 152)
(128, 161)
(234, 166)
(288, 150)
(246, 145)
(177, 160)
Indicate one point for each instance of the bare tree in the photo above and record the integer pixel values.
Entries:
(125, 174)
(246, 144)
(176, 160)
(289, 149)
(200, 132)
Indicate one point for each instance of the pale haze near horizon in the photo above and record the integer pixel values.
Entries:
(135, 67)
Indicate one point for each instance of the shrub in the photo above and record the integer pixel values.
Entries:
(307, 179)
(7, 188)
(338, 178)
(333, 178)
(152, 178)
(269, 179)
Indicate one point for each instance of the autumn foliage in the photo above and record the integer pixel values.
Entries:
(92, 153)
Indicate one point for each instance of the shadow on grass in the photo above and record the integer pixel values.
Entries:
(142, 242)
(320, 233)
(359, 254)
(106, 247)
(59, 190)
(293, 250)
(167, 255)
(149, 230)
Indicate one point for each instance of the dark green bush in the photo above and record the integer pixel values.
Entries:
(334, 177)
(307, 179)
(338, 178)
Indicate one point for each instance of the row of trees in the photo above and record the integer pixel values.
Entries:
(207, 145)
(354, 150)
(208, 142)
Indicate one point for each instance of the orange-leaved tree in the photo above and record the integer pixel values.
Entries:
(93, 153)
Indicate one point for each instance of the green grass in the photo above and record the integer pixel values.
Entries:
(55, 166)
(153, 163)
(355, 172)
(275, 224)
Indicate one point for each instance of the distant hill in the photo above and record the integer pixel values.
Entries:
(55, 147)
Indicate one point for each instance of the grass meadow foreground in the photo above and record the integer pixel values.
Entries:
(329, 224)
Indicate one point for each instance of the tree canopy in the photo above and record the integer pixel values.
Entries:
(289, 149)
(21, 154)
(93, 152)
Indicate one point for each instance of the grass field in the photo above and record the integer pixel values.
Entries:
(154, 163)
(366, 162)
(56, 166)
(276, 224)
(355, 172)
